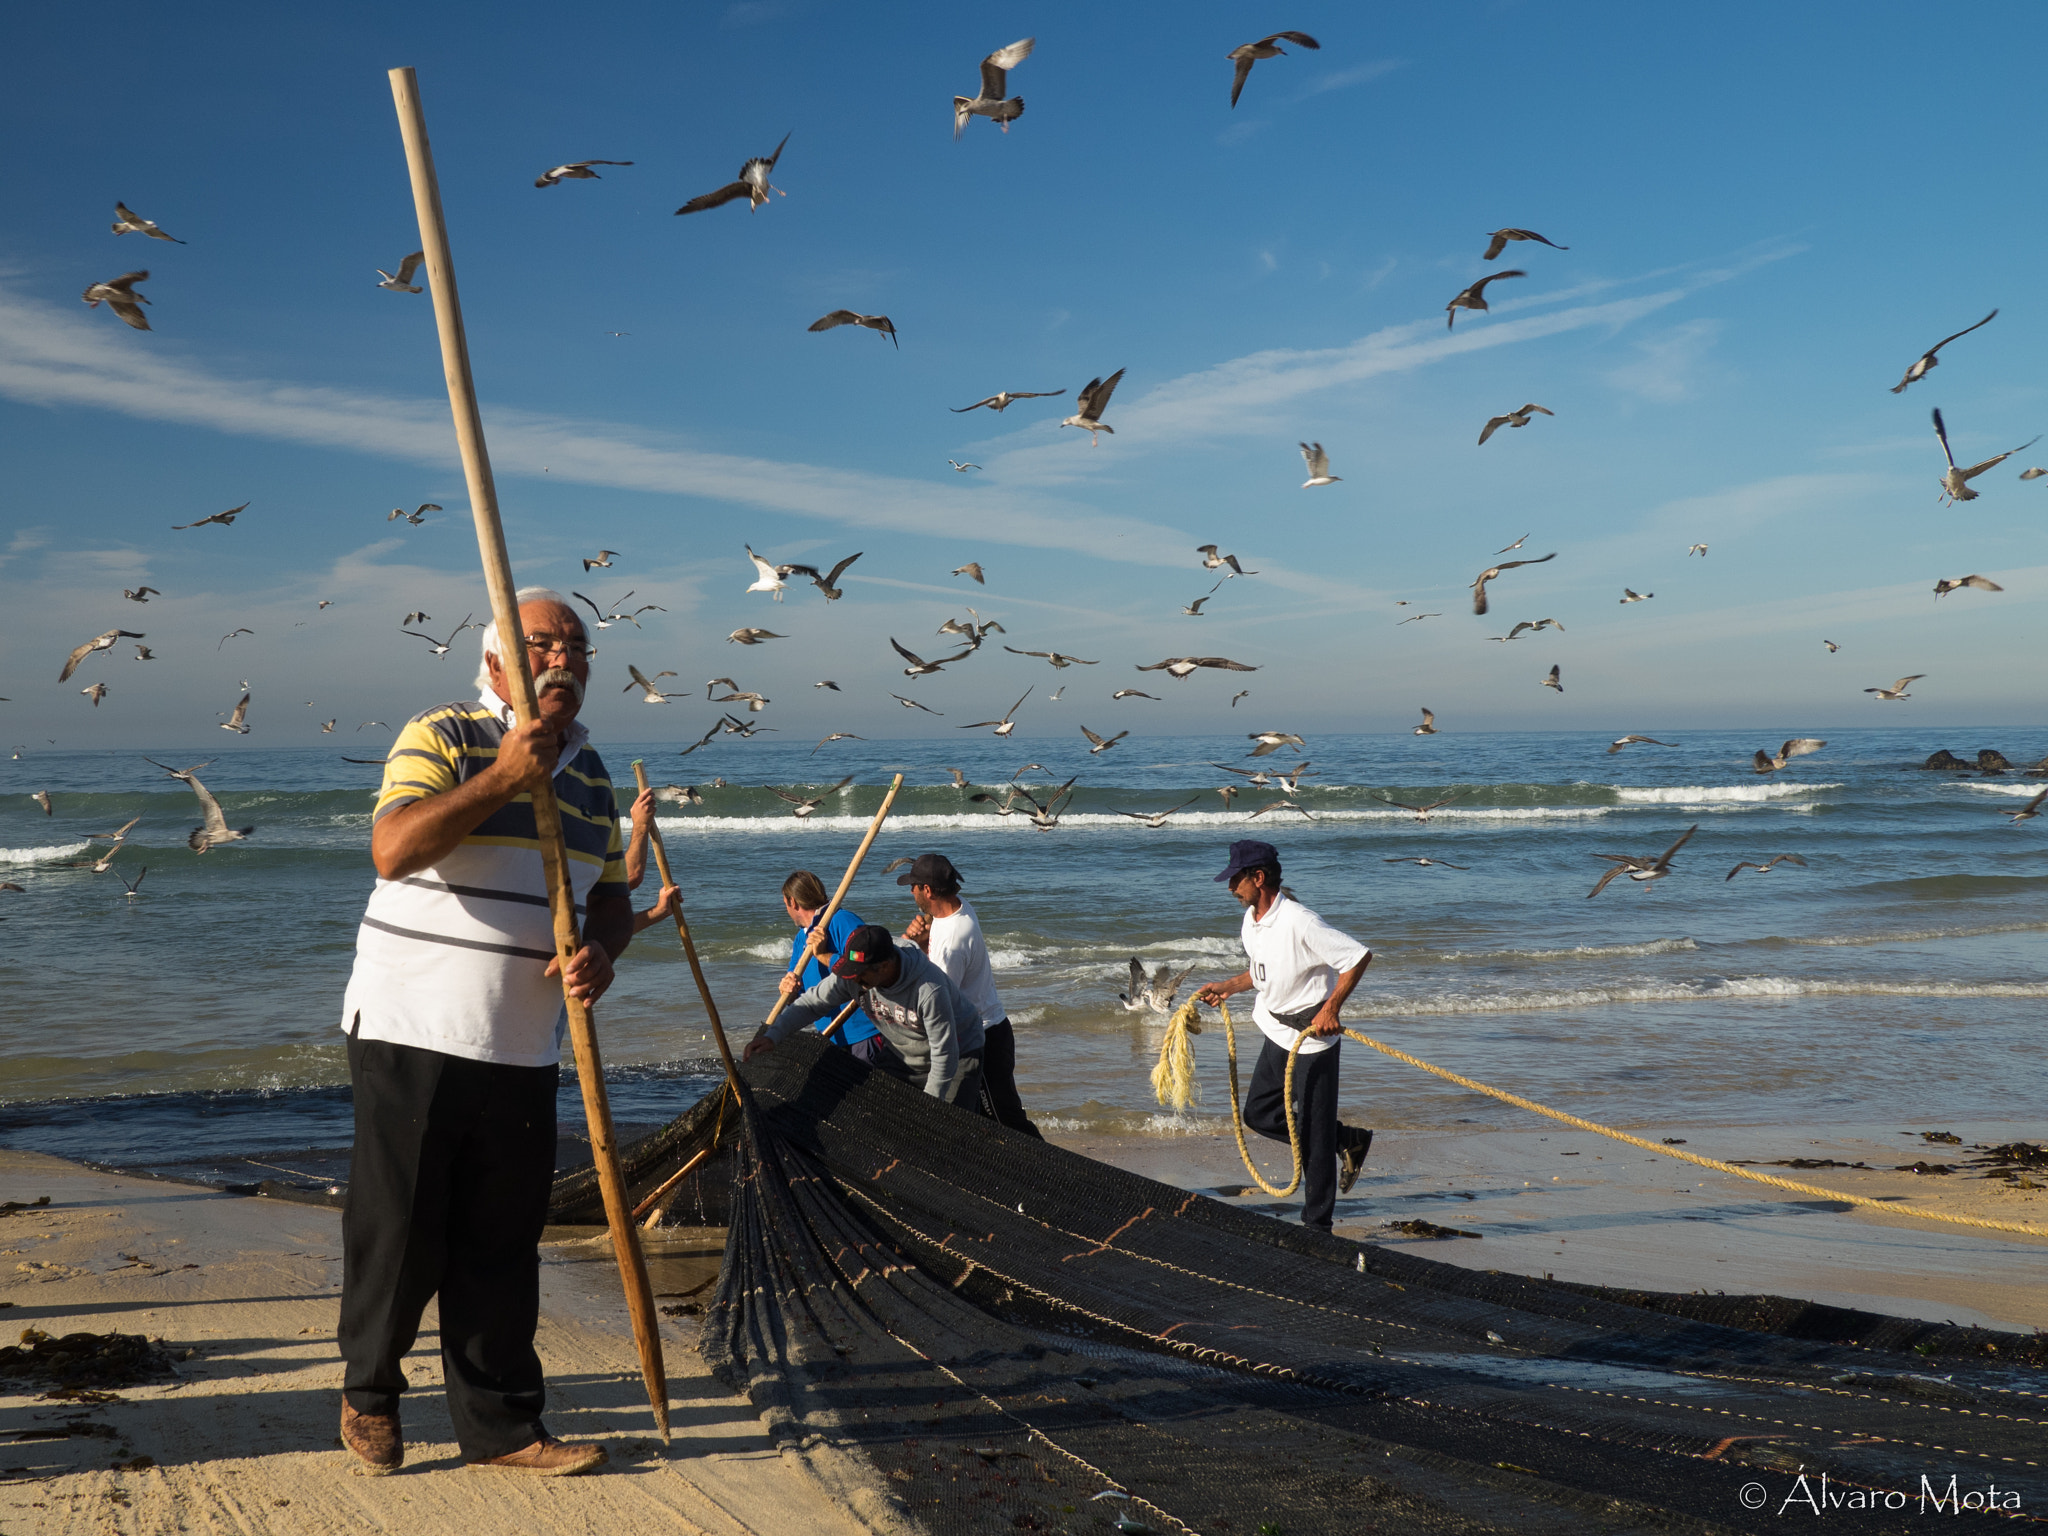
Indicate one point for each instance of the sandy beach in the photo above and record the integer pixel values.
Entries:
(244, 1439)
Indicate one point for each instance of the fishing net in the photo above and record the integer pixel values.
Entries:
(1006, 1332)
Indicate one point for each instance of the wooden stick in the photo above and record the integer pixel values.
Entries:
(490, 537)
(818, 934)
(844, 1014)
(732, 1071)
(670, 1183)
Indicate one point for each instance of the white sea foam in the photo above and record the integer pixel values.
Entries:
(1576, 952)
(2025, 791)
(1712, 794)
(43, 855)
(1719, 989)
(979, 821)
(1916, 936)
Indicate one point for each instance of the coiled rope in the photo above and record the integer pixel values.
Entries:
(1174, 1083)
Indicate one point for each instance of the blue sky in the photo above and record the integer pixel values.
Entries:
(1771, 211)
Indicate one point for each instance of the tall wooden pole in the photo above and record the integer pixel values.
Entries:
(490, 538)
(732, 1071)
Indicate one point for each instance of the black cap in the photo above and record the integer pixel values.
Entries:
(1248, 853)
(931, 869)
(867, 945)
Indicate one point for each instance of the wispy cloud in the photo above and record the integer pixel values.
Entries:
(1344, 79)
(24, 542)
(1665, 364)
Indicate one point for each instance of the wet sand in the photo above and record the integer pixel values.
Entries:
(245, 1439)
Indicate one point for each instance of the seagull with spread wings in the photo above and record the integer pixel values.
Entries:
(1479, 582)
(440, 647)
(105, 642)
(1927, 359)
(1498, 242)
(1554, 679)
(401, 280)
(575, 170)
(2028, 811)
(990, 102)
(215, 830)
(1535, 627)
(140, 594)
(752, 185)
(1949, 584)
(913, 704)
(1157, 819)
(417, 516)
(1270, 742)
(649, 691)
(836, 736)
(1955, 484)
(1102, 743)
(1632, 739)
(1422, 811)
(919, 667)
(1213, 561)
(825, 584)
(1474, 297)
(1057, 658)
(1897, 689)
(1640, 870)
(1245, 55)
(1154, 993)
(1427, 863)
(1318, 463)
(1783, 858)
(238, 722)
(225, 519)
(1088, 408)
(604, 558)
(839, 317)
(1520, 418)
(806, 807)
(1002, 400)
(751, 636)
(1179, 667)
(128, 222)
(1006, 724)
(119, 295)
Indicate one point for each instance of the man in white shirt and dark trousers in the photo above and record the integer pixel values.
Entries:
(949, 933)
(1303, 970)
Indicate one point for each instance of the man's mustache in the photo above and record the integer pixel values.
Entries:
(559, 677)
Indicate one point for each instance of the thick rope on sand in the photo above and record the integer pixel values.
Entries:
(1173, 1082)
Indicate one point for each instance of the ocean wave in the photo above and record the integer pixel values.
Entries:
(2025, 791)
(1715, 989)
(1713, 794)
(1936, 887)
(1094, 820)
(1911, 936)
(43, 855)
(1575, 952)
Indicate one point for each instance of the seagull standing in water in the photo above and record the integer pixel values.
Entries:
(752, 185)
(1927, 359)
(1474, 297)
(989, 102)
(1245, 55)
(1088, 408)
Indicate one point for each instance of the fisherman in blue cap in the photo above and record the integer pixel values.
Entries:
(1303, 969)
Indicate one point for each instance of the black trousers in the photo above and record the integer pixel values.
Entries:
(447, 1194)
(966, 1092)
(999, 1078)
(1315, 1114)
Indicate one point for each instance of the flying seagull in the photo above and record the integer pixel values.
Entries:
(1318, 463)
(1955, 485)
(1006, 724)
(1415, 618)
(827, 683)
(1498, 241)
(1832, 647)
(840, 317)
(1213, 561)
(604, 558)
(128, 222)
(680, 794)
(225, 519)
(575, 170)
(1102, 743)
(1271, 741)
(1154, 993)
(1088, 408)
(752, 636)
(231, 634)
(1640, 870)
(135, 887)
(962, 468)
(1280, 805)
(1927, 359)
(1632, 739)
(105, 642)
(2033, 474)
(1248, 54)
(1520, 418)
(1057, 658)
(1630, 595)
(238, 721)
(971, 568)
(1475, 296)
(42, 798)
(767, 578)
(2028, 811)
(1783, 858)
(96, 692)
(216, 830)
(989, 102)
(1178, 667)
(913, 704)
(752, 185)
(1698, 549)
(650, 694)
(1004, 399)
(119, 295)
(416, 516)
(1427, 863)
(1421, 811)
(416, 618)
(919, 667)
(826, 583)
(140, 594)
(1949, 584)
(1554, 680)
(836, 736)
(1133, 693)
(440, 647)
(401, 280)
(703, 740)
(1898, 689)
(1536, 626)
(1514, 546)
(1157, 819)
(805, 807)
(1479, 582)
(1428, 726)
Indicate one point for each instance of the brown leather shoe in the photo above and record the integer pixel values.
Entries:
(550, 1457)
(375, 1438)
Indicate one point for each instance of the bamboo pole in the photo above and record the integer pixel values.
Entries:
(497, 564)
(732, 1071)
(824, 921)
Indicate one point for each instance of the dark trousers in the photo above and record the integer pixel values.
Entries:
(966, 1092)
(999, 1078)
(447, 1193)
(1315, 1116)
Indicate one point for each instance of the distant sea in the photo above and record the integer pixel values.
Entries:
(1901, 974)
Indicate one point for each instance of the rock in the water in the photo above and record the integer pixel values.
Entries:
(1945, 759)
(1991, 760)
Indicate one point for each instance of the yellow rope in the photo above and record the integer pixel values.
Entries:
(1173, 1082)
(1184, 1023)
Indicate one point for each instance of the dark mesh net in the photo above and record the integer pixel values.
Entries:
(1006, 1330)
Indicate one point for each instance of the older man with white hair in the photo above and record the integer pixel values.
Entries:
(455, 1017)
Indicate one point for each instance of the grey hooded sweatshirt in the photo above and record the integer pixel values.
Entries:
(923, 1016)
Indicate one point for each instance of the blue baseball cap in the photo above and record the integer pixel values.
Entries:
(1248, 853)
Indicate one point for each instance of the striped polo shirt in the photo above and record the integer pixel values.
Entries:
(452, 959)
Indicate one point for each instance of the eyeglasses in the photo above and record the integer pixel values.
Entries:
(543, 645)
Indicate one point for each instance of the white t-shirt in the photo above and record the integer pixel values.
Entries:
(1296, 959)
(955, 946)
